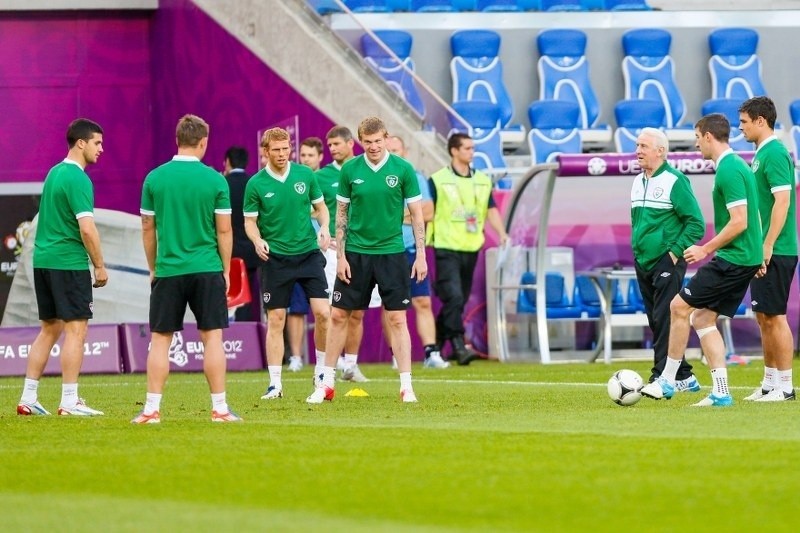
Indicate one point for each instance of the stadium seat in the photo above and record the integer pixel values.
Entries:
(497, 5)
(632, 116)
(594, 5)
(325, 7)
(554, 130)
(635, 296)
(627, 5)
(529, 5)
(557, 301)
(729, 108)
(794, 113)
(564, 75)
(586, 295)
(484, 120)
(395, 73)
(239, 289)
(477, 74)
(562, 5)
(735, 68)
(433, 6)
(368, 6)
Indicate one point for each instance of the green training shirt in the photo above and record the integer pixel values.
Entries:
(376, 194)
(67, 196)
(328, 179)
(283, 205)
(774, 170)
(184, 195)
(735, 185)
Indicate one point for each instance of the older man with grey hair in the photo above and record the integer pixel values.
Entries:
(666, 219)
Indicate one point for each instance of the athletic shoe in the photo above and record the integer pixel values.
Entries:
(434, 360)
(353, 373)
(758, 393)
(660, 388)
(80, 409)
(273, 393)
(320, 394)
(777, 395)
(712, 400)
(689, 384)
(340, 364)
(31, 409)
(295, 363)
(141, 418)
(230, 416)
(408, 396)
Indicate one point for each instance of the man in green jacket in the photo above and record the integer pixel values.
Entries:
(666, 219)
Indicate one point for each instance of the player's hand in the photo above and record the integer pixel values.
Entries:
(343, 270)
(324, 239)
(419, 269)
(262, 250)
(767, 253)
(762, 270)
(694, 254)
(100, 277)
(227, 276)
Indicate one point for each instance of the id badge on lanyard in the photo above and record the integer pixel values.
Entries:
(471, 220)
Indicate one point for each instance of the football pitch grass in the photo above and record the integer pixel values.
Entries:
(508, 447)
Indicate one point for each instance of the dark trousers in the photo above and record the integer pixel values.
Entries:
(659, 286)
(453, 285)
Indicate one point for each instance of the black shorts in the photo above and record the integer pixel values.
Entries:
(391, 272)
(718, 286)
(280, 273)
(770, 294)
(63, 294)
(203, 292)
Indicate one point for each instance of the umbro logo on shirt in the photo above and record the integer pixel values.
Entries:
(687, 291)
(335, 184)
(665, 274)
(269, 195)
(358, 181)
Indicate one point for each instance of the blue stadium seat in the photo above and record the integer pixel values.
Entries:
(735, 68)
(594, 5)
(484, 120)
(586, 295)
(368, 6)
(394, 72)
(649, 72)
(632, 116)
(794, 112)
(564, 75)
(730, 108)
(477, 74)
(554, 130)
(325, 7)
(529, 5)
(562, 5)
(635, 296)
(497, 5)
(556, 299)
(627, 5)
(433, 6)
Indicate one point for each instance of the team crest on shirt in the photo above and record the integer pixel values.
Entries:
(657, 192)
(300, 188)
(91, 307)
(755, 165)
(392, 181)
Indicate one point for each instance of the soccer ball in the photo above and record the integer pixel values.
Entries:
(625, 387)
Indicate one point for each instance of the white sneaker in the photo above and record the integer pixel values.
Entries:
(758, 393)
(320, 394)
(295, 363)
(273, 393)
(408, 396)
(31, 409)
(777, 395)
(80, 409)
(340, 364)
(353, 373)
(434, 360)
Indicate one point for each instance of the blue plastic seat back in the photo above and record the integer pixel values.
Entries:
(477, 71)
(433, 6)
(734, 66)
(392, 71)
(564, 72)
(484, 120)
(649, 72)
(497, 5)
(729, 108)
(554, 130)
(632, 116)
(368, 6)
(562, 5)
(627, 5)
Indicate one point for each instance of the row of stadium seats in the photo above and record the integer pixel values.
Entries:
(325, 7)
(567, 101)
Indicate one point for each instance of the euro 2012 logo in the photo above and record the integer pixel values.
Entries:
(15, 242)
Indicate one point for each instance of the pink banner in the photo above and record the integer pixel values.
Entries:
(241, 342)
(627, 165)
(101, 351)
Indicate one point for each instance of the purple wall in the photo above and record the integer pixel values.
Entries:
(135, 73)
